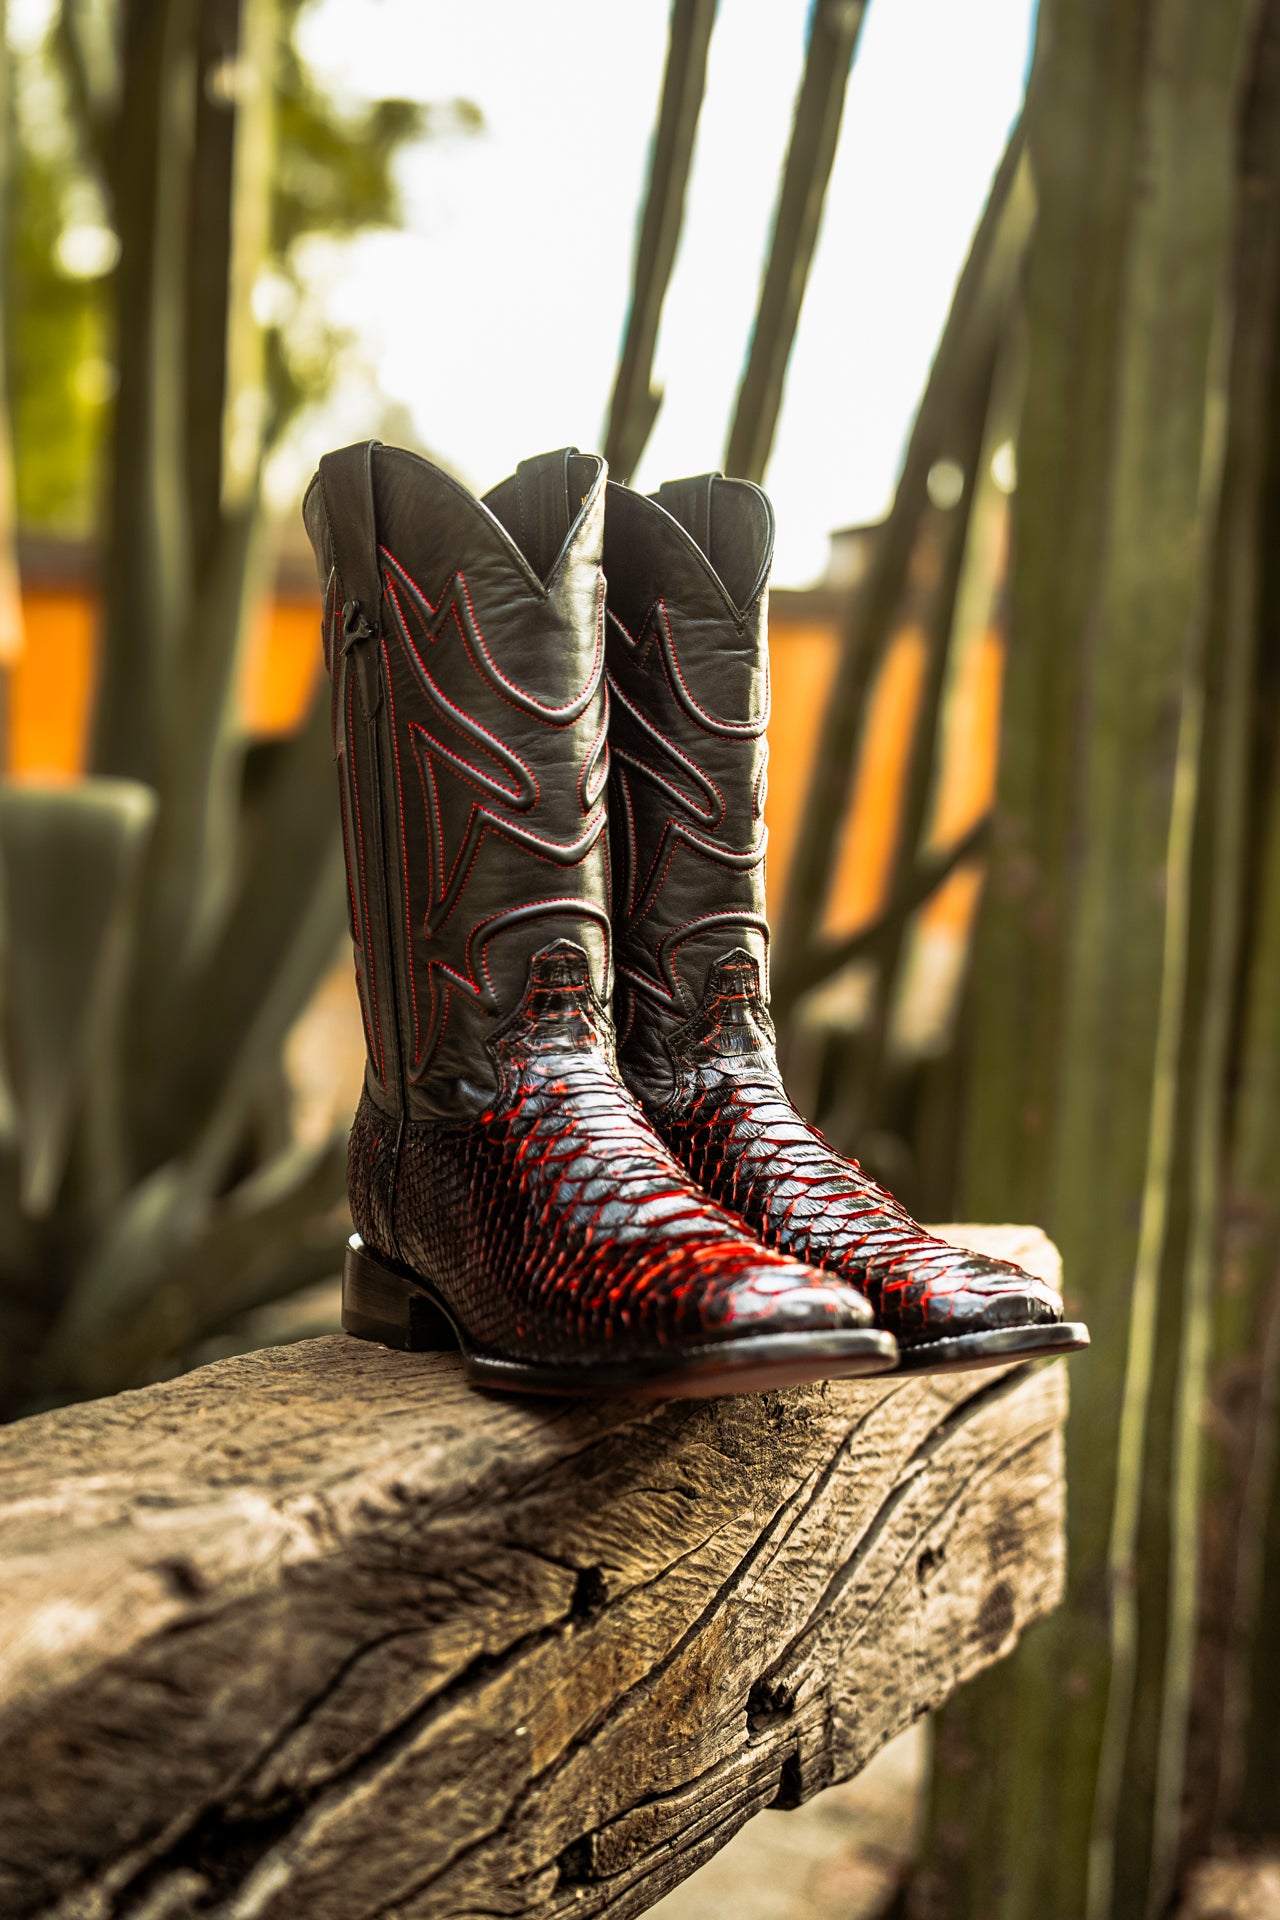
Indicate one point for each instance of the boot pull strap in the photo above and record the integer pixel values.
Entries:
(689, 502)
(346, 482)
(545, 506)
(732, 521)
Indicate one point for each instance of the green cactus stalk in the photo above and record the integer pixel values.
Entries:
(166, 919)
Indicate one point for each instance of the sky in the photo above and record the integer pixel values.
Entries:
(495, 317)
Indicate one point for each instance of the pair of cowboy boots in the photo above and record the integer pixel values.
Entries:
(552, 802)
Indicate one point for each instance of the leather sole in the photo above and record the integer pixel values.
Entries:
(967, 1352)
(386, 1302)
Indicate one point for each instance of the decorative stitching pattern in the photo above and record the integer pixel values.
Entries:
(594, 778)
(525, 792)
(404, 838)
(453, 746)
(435, 617)
(366, 975)
(706, 768)
(712, 815)
(657, 626)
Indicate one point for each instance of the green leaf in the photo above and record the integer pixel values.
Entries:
(174, 1268)
(281, 935)
(69, 867)
(116, 1295)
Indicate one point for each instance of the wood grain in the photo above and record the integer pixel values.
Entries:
(321, 1632)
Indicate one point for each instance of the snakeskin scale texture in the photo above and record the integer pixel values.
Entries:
(688, 672)
(557, 1226)
(731, 1124)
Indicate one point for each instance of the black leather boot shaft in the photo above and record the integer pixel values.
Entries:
(465, 640)
(689, 708)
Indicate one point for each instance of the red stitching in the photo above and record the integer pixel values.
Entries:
(730, 729)
(761, 787)
(646, 892)
(404, 842)
(599, 746)
(626, 633)
(701, 919)
(469, 984)
(367, 946)
(486, 664)
(676, 937)
(440, 996)
(630, 811)
(673, 792)
(451, 606)
(675, 830)
(357, 939)
(572, 708)
(431, 806)
(331, 619)
(548, 858)
(651, 629)
(629, 1018)
(475, 777)
(344, 809)
(568, 901)
(504, 754)
(698, 775)
(668, 988)
(495, 799)
(346, 855)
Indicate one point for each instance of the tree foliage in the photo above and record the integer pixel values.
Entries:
(334, 173)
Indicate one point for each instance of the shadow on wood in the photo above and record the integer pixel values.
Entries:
(321, 1632)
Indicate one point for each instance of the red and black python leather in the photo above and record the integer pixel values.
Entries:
(497, 1164)
(557, 1226)
(687, 665)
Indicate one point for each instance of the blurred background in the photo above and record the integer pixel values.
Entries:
(988, 297)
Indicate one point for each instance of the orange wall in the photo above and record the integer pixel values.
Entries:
(966, 780)
(802, 665)
(870, 836)
(282, 660)
(51, 685)
(802, 660)
(51, 681)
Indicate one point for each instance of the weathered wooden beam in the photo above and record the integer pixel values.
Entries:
(321, 1632)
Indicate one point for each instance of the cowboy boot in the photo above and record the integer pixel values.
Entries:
(508, 1194)
(688, 681)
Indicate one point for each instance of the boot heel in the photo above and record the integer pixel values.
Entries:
(380, 1304)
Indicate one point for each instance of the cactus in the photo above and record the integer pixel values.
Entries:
(634, 403)
(167, 918)
(1112, 949)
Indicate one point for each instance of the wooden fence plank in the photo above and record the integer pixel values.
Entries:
(321, 1632)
